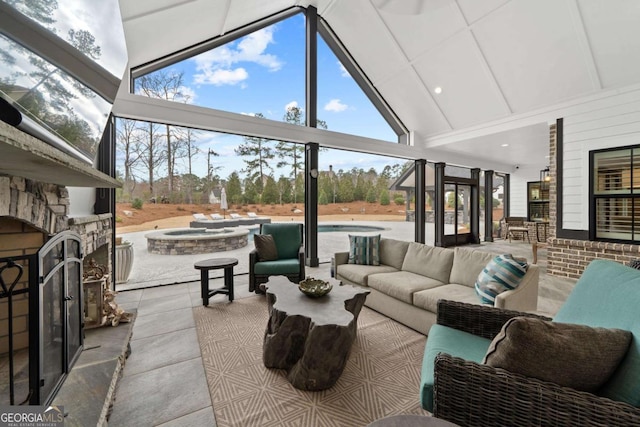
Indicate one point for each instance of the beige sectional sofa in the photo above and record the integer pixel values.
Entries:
(412, 277)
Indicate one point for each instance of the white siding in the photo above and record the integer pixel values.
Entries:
(518, 191)
(606, 123)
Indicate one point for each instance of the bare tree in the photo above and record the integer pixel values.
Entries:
(166, 85)
(152, 151)
(128, 143)
(186, 139)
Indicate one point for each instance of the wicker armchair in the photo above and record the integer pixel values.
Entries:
(471, 394)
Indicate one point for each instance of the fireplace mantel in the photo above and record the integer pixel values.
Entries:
(25, 156)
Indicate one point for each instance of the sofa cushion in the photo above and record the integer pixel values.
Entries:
(429, 261)
(467, 265)
(358, 274)
(571, 355)
(443, 339)
(266, 247)
(428, 299)
(608, 295)
(364, 250)
(402, 284)
(392, 252)
(502, 273)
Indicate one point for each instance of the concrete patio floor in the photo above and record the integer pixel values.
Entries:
(164, 382)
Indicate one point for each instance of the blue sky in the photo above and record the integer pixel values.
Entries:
(264, 73)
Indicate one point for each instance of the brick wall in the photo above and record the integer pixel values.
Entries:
(17, 238)
(569, 257)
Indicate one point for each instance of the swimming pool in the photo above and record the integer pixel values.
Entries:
(348, 228)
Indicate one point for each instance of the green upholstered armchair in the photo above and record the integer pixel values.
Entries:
(288, 238)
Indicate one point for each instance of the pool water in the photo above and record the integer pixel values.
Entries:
(328, 228)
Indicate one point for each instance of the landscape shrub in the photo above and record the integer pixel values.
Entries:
(137, 203)
(384, 198)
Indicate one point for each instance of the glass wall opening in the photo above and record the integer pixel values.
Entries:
(355, 196)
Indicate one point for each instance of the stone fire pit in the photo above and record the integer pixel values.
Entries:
(190, 241)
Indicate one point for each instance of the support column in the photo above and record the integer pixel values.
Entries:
(488, 206)
(311, 62)
(311, 204)
(439, 203)
(106, 197)
(506, 195)
(474, 215)
(420, 215)
(311, 148)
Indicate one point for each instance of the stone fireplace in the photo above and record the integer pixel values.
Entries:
(31, 214)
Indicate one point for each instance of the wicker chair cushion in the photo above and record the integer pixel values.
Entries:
(501, 274)
(364, 250)
(266, 247)
(571, 355)
(443, 339)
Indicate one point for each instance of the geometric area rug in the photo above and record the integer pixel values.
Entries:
(381, 378)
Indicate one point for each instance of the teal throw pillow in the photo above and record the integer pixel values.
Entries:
(364, 250)
(502, 273)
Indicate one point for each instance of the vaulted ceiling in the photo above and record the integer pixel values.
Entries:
(506, 68)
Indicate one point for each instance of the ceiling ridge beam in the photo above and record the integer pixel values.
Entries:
(227, 8)
(409, 65)
(485, 64)
(583, 40)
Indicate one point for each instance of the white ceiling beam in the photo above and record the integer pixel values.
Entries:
(485, 65)
(150, 109)
(585, 46)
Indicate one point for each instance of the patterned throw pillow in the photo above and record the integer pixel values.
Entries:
(502, 273)
(364, 250)
(266, 247)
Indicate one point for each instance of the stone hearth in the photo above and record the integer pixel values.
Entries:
(30, 213)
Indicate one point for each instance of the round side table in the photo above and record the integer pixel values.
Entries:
(215, 264)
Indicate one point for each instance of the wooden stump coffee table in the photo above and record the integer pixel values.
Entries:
(309, 337)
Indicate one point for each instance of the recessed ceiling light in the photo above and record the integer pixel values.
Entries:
(504, 145)
(437, 90)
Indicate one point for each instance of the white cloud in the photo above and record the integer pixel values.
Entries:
(343, 71)
(222, 77)
(292, 104)
(216, 66)
(335, 105)
(188, 95)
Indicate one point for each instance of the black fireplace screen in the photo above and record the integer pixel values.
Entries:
(55, 319)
